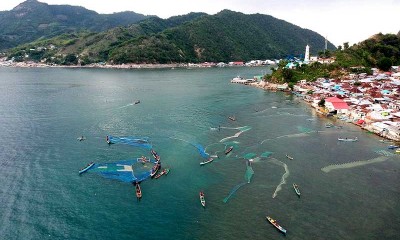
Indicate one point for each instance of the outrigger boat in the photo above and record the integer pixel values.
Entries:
(228, 150)
(273, 222)
(291, 158)
(296, 189)
(155, 169)
(348, 139)
(86, 168)
(138, 191)
(164, 171)
(155, 155)
(207, 161)
(202, 199)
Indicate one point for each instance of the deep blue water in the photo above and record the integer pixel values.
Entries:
(42, 196)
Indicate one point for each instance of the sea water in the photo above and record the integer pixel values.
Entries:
(42, 196)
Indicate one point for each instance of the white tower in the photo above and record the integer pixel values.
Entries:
(307, 55)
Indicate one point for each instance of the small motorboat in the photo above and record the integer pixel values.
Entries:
(348, 139)
(137, 102)
(232, 118)
(138, 191)
(393, 146)
(296, 189)
(207, 161)
(86, 168)
(202, 199)
(273, 222)
(289, 157)
(165, 171)
(228, 150)
(155, 155)
(108, 140)
(82, 138)
(155, 169)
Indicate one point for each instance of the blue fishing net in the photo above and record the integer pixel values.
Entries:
(125, 170)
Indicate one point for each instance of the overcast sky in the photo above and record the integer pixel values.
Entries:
(339, 20)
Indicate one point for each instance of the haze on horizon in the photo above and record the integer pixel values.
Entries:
(338, 20)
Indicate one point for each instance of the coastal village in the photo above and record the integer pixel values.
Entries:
(369, 101)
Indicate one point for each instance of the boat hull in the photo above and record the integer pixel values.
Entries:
(86, 168)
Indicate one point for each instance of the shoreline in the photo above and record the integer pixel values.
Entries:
(272, 87)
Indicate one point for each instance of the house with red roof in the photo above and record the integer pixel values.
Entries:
(334, 104)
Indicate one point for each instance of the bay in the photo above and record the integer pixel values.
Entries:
(43, 196)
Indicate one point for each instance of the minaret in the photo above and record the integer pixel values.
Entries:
(307, 55)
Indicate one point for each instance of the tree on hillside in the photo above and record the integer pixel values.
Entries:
(345, 45)
(384, 63)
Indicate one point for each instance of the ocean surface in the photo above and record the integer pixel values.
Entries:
(42, 196)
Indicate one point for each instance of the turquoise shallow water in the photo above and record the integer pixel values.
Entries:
(43, 111)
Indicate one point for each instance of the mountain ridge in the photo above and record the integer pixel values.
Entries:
(32, 19)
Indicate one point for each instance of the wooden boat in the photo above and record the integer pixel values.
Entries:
(291, 158)
(202, 199)
(273, 222)
(108, 140)
(155, 169)
(228, 150)
(138, 191)
(143, 159)
(164, 171)
(86, 168)
(232, 118)
(155, 155)
(393, 146)
(207, 161)
(329, 125)
(296, 189)
(348, 139)
(137, 101)
(81, 138)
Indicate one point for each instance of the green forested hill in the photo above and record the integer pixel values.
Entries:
(196, 37)
(32, 19)
(225, 36)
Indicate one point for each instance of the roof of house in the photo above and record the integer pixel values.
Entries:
(340, 105)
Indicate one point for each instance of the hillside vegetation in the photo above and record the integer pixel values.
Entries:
(196, 37)
(31, 20)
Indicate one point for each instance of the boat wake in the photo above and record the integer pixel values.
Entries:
(284, 176)
(353, 164)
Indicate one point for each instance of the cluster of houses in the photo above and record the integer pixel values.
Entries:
(372, 102)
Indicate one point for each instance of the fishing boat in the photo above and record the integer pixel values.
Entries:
(273, 222)
(86, 168)
(393, 146)
(138, 191)
(348, 139)
(232, 118)
(164, 171)
(81, 138)
(291, 158)
(207, 161)
(296, 189)
(155, 169)
(202, 199)
(329, 125)
(228, 150)
(108, 140)
(155, 155)
(137, 101)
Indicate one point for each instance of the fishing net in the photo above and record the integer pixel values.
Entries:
(125, 170)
